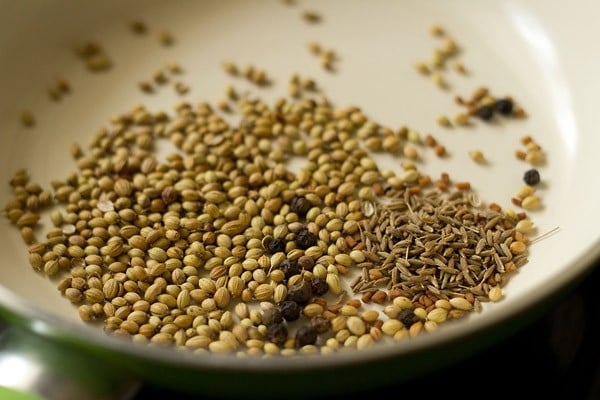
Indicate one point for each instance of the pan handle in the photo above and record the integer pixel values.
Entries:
(33, 367)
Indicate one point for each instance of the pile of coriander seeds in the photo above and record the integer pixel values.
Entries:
(221, 248)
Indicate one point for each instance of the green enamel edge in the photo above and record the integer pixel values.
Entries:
(11, 394)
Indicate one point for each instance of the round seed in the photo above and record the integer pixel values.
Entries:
(495, 294)
(525, 191)
(517, 247)
(461, 303)
(356, 325)
(531, 202)
(391, 326)
(437, 315)
(264, 292)
(524, 226)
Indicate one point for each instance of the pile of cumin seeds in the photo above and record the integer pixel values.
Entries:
(439, 244)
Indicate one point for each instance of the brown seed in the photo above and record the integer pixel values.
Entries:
(440, 150)
(27, 219)
(165, 38)
(463, 185)
(138, 27)
(311, 17)
(27, 119)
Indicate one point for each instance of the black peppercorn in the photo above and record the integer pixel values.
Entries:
(277, 333)
(319, 286)
(272, 316)
(485, 112)
(504, 106)
(407, 317)
(289, 268)
(532, 177)
(290, 310)
(306, 335)
(300, 292)
(321, 323)
(306, 262)
(276, 245)
(305, 239)
(300, 205)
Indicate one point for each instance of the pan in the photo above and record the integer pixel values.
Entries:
(493, 99)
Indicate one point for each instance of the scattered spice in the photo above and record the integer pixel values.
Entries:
(181, 88)
(485, 112)
(422, 68)
(443, 120)
(504, 106)
(138, 27)
(327, 57)
(531, 177)
(27, 119)
(460, 68)
(477, 156)
(438, 79)
(60, 88)
(436, 30)
(312, 17)
(447, 50)
(94, 56)
(533, 153)
(165, 38)
(484, 105)
(146, 87)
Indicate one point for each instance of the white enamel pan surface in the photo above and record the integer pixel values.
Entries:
(541, 53)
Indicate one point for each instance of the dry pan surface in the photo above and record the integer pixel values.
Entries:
(271, 225)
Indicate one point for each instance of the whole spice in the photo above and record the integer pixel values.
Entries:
(305, 239)
(504, 106)
(300, 205)
(531, 177)
(277, 333)
(319, 286)
(485, 112)
(306, 334)
(300, 293)
(289, 268)
(407, 317)
(272, 316)
(290, 310)
(276, 245)
(27, 119)
(311, 17)
(138, 27)
(94, 56)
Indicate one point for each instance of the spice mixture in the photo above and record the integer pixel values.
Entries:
(222, 248)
